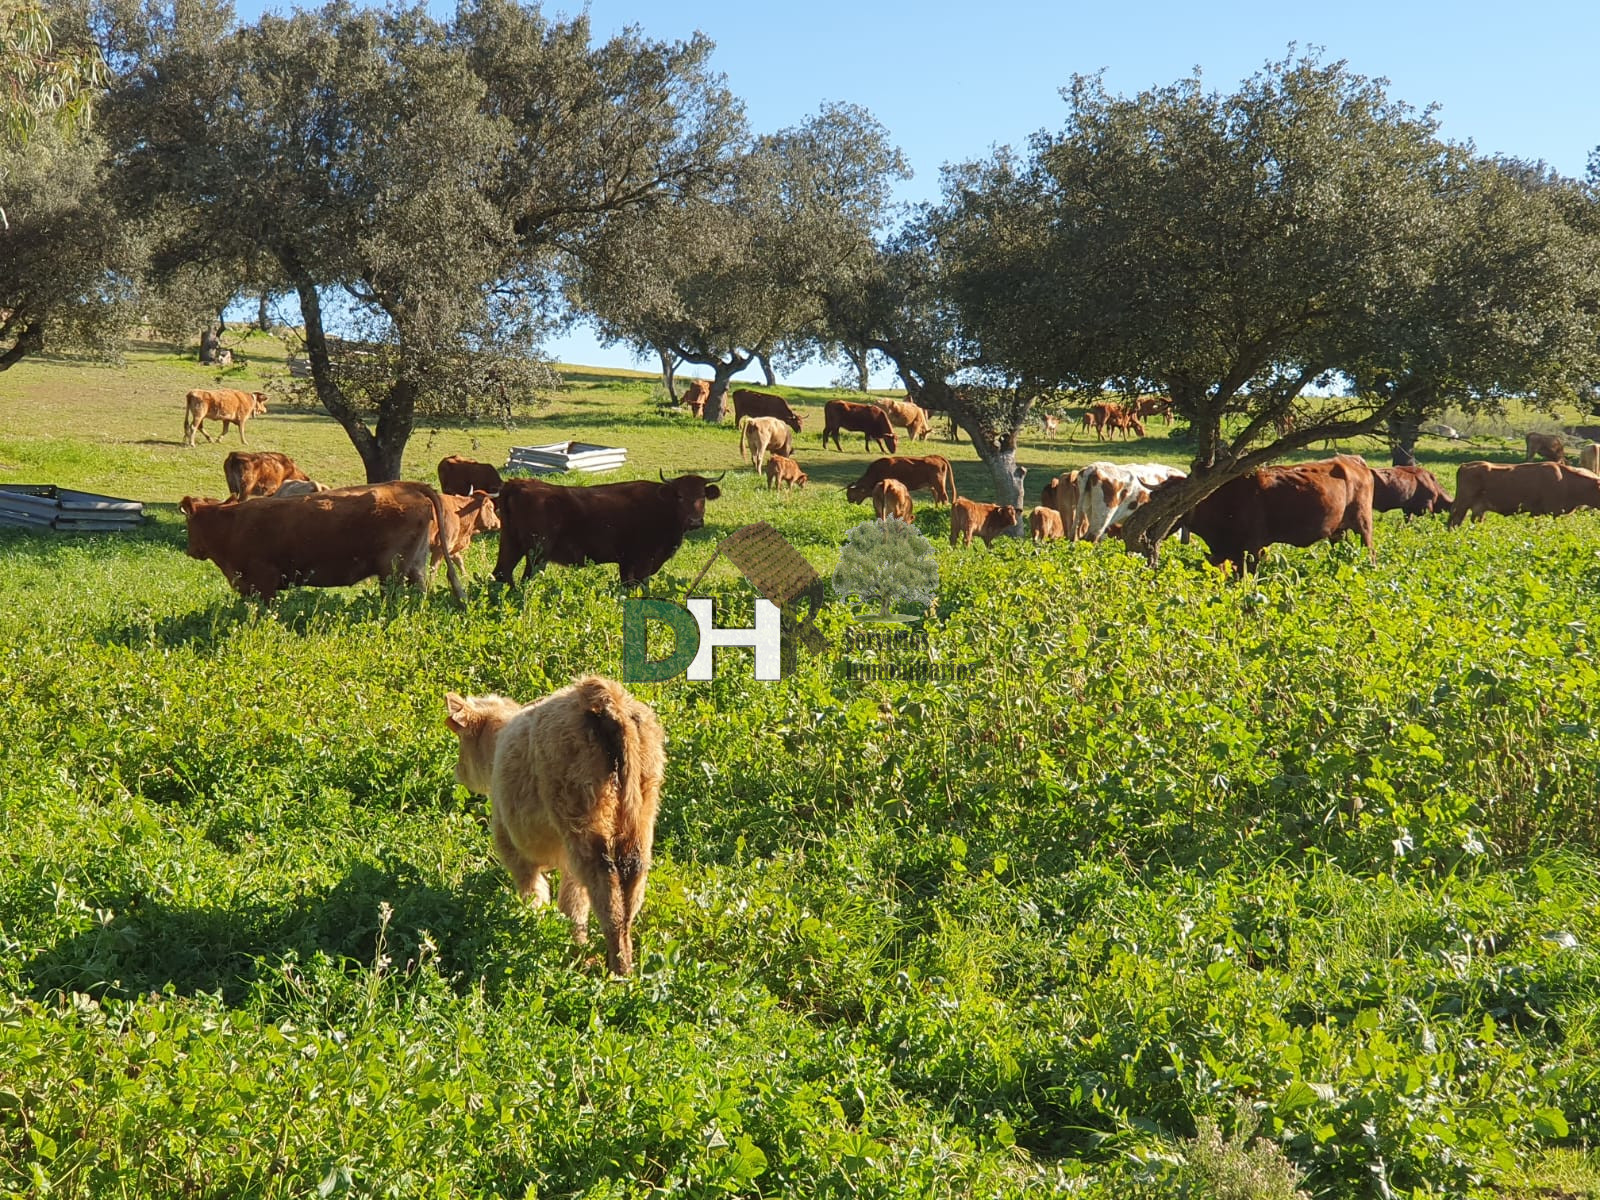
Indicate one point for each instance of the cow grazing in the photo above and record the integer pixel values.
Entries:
(891, 499)
(1539, 489)
(1105, 417)
(1545, 445)
(1061, 494)
(1109, 493)
(907, 415)
(574, 782)
(929, 472)
(229, 407)
(258, 472)
(784, 470)
(637, 525)
(1154, 406)
(474, 514)
(759, 436)
(462, 476)
(866, 419)
(299, 487)
(696, 393)
(1298, 506)
(329, 539)
(747, 403)
(1413, 490)
(1589, 457)
(1045, 524)
(988, 521)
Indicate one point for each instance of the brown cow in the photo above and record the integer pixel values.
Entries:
(988, 521)
(258, 473)
(747, 403)
(637, 525)
(1589, 457)
(890, 499)
(930, 472)
(866, 419)
(1045, 524)
(1415, 491)
(330, 539)
(1545, 445)
(474, 514)
(574, 782)
(759, 436)
(1540, 489)
(907, 415)
(1061, 494)
(229, 407)
(1154, 406)
(1299, 506)
(782, 469)
(462, 476)
(299, 487)
(695, 394)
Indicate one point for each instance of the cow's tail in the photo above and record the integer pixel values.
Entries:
(950, 480)
(744, 446)
(625, 859)
(445, 522)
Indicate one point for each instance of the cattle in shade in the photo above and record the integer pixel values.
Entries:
(1109, 493)
(988, 521)
(1415, 491)
(462, 476)
(299, 487)
(1545, 445)
(474, 514)
(329, 539)
(783, 470)
(1589, 457)
(225, 405)
(866, 419)
(891, 500)
(1539, 489)
(747, 403)
(574, 784)
(1154, 406)
(696, 395)
(760, 436)
(258, 472)
(928, 472)
(637, 525)
(1045, 524)
(907, 415)
(1297, 506)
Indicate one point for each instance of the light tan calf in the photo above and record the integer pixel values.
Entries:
(891, 499)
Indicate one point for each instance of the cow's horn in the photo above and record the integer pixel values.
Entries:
(718, 479)
(661, 473)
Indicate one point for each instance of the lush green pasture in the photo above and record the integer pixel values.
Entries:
(1313, 855)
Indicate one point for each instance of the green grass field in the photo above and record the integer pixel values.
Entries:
(1189, 887)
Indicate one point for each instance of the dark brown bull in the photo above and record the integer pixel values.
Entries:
(462, 476)
(929, 472)
(747, 403)
(1415, 491)
(866, 419)
(638, 525)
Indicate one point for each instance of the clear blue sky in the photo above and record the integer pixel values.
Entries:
(950, 82)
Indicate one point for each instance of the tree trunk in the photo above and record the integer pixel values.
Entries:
(29, 341)
(858, 359)
(381, 463)
(766, 370)
(263, 317)
(721, 373)
(396, 420)
(208, 345)
(669, 372)
(1404, 426)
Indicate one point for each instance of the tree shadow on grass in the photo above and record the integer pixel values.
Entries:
(150, 945)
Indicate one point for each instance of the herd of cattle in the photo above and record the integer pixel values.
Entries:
(279, 528)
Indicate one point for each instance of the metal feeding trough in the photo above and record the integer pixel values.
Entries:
(46, 506)
(565, 456)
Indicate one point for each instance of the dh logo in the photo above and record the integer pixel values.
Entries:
(694, 640)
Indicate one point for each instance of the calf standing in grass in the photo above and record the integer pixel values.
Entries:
(891, 499)
(574, 781)
(988, 521)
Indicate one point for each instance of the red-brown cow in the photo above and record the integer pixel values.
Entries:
(1539, 489)
(328, 539)
(783, 469)
(988, 521)
(1298, 506)
(747, 403)
(462, 476)
(638, 525)
(258, 473)
(1045, 524)
(474, 514)
(866, 419)
(929, 472)
(1415, 491)
(695, 394)
(225, 405)
(890, 499)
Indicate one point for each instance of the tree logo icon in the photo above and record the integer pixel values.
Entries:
(886, 565)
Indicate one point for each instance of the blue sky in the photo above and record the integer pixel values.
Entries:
(950, 82)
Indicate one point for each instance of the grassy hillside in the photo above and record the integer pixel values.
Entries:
(1185, 887)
